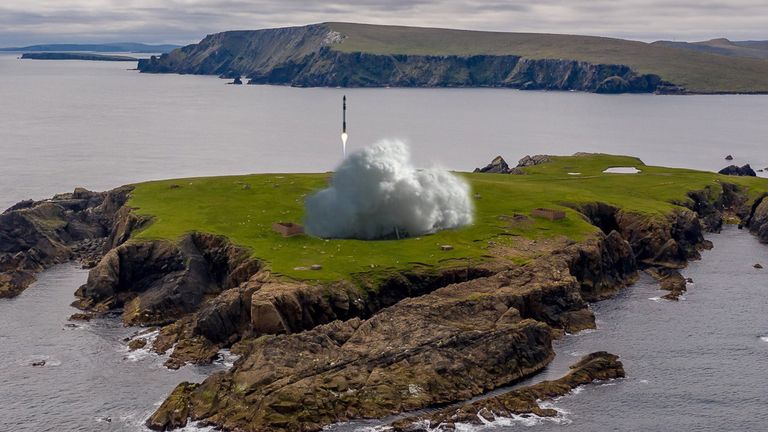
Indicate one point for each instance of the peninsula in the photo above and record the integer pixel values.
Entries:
(362, 55)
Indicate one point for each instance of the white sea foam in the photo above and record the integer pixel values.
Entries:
(226, 358)
(764, 338)
(377, 192)
(141, 353)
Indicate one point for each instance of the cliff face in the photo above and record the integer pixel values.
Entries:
(303, 56)
(35, 235)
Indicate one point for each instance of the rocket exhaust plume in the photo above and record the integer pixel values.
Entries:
(378, 193)
(344, 135)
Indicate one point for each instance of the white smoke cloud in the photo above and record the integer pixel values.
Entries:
(377, 190)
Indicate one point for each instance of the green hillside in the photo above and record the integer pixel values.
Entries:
(243, 208)
(696, 71)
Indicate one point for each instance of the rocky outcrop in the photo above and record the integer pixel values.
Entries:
(757, 220)
(603, 266)
(668, 241)
(35, 235)
(595, 367)
(158, 282)
(497, 166)
(263, 305)
(669, 280)
(177, 409)
(449, 345)
(734, 170)
(534, 160)
(305, 57)
(420, 351)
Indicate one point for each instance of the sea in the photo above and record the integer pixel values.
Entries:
(694, 365)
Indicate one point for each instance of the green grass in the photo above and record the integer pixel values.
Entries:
(244, 207)
(697, 71)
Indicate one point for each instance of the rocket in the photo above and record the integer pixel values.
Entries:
(344, 135)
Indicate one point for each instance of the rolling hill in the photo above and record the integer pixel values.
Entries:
(748, 49)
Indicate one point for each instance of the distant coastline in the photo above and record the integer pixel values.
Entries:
(120, 47)
(76, 56)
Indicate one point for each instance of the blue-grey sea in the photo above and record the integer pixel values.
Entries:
(700, 364)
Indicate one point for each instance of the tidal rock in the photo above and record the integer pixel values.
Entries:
(669, 280)
(729, 158)
(733, 170)
(38, 363)
(595, 367)
(137, 344)
(758, 266)
(81, 317)
(174, 412)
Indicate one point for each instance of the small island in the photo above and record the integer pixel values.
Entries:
(76, 56)
(330, 330)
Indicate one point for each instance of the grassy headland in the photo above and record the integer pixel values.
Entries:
(243, 209)
(697, 71)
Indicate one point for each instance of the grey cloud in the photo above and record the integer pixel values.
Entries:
(185, 21)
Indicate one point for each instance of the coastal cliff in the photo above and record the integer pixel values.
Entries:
(326, 67)
(357, 55)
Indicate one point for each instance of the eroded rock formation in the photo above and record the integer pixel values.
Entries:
(35, 235)
(598, 366)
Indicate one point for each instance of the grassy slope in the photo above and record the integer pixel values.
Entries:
(222, 205)
(696, 71)
(721, 47)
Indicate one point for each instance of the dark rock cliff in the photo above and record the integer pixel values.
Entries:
(304, 56)
(35, 235)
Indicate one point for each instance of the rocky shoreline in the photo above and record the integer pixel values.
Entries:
(316, 354)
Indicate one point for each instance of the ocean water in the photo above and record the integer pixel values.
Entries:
(698, 364)
(99, 125)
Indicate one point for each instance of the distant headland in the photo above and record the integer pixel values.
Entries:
(362, 55)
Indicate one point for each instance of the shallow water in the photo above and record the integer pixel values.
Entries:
(698, 364)
(89, 381)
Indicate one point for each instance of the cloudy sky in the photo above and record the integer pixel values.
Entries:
(185, 21)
